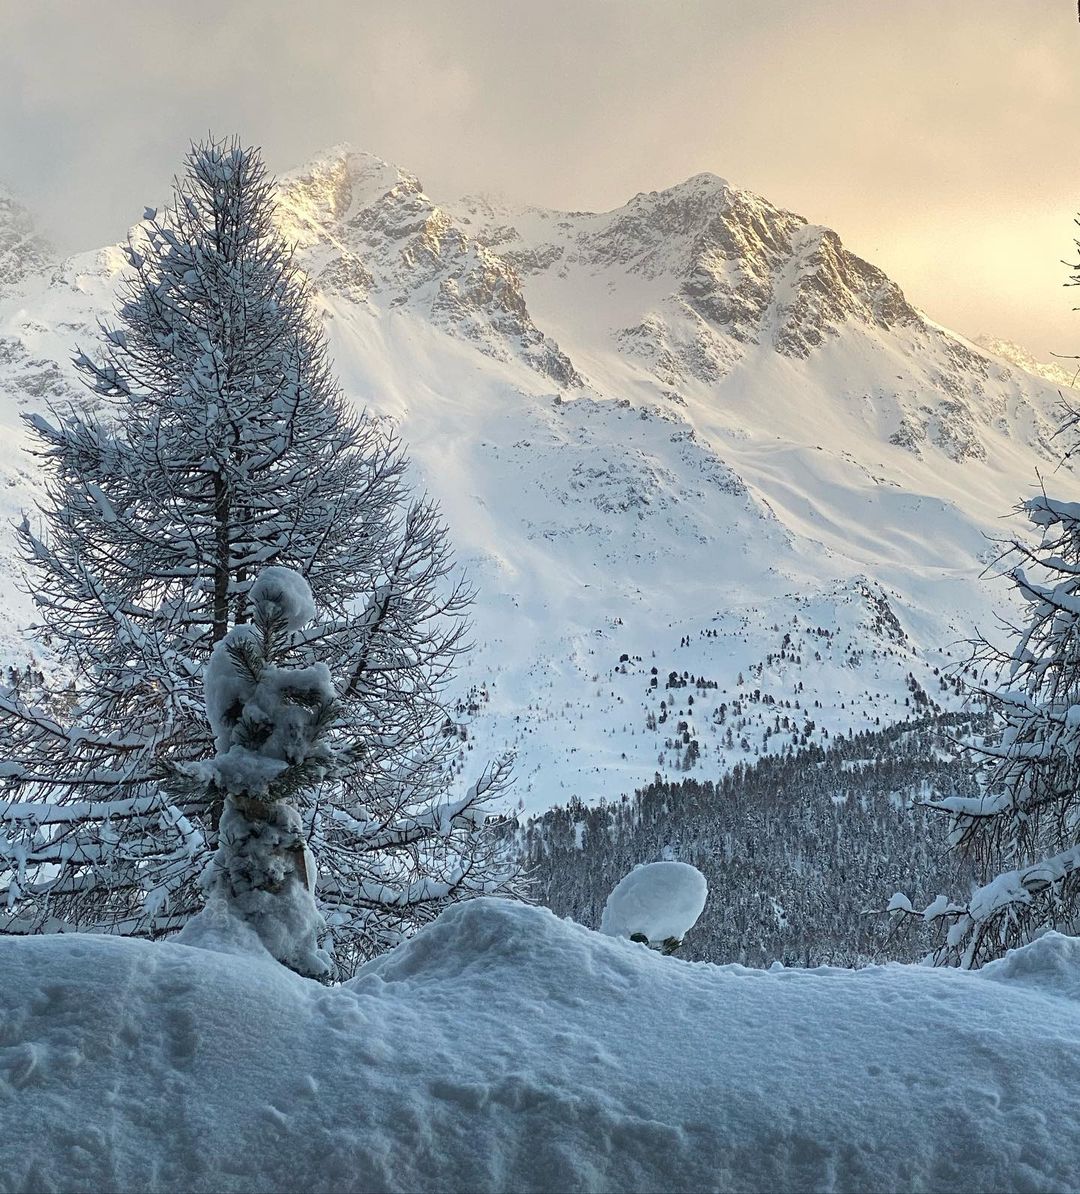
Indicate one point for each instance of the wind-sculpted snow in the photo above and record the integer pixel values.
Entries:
(505, 1050)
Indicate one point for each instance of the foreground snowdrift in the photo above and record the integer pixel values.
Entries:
(504, 1049)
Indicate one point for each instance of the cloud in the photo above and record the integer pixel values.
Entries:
(934, 135)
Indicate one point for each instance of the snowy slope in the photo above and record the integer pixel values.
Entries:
(505, 1050)
(695, 432)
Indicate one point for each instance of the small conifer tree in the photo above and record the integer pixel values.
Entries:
(274, 729)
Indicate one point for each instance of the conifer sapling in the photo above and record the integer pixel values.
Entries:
(272, 726)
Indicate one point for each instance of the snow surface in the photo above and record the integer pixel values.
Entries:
(503, 1049)
(657, 899)
(289, 592)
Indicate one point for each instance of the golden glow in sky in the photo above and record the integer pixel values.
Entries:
(936, 136)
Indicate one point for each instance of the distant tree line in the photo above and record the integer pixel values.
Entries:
(801, 852)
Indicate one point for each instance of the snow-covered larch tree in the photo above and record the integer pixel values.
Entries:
(222, 444)
(1023, 827)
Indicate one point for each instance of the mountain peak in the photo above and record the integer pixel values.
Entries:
(341, 178)
(704, 180)
(345, 156)
(699, 193)
(703, 185)
(22, 249)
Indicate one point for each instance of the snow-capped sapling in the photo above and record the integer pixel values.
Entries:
(657, 903)
(273, 730)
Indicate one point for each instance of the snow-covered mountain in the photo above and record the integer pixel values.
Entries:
(717, 481)
(23, 249)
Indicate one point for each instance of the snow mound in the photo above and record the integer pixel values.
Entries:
(659, 900)
(1051, 964)
(215, 927)
(289, 591)
(503, 1049)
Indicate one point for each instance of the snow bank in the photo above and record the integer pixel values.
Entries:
(504, 1049)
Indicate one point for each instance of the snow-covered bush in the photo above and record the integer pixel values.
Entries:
(657, 903)
(221, 445)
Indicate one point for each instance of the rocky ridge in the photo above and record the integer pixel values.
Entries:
(23, 250)
(371, 229)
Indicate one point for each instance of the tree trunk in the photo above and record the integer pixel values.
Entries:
(221, 558)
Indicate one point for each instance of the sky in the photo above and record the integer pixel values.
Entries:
(936, 136)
